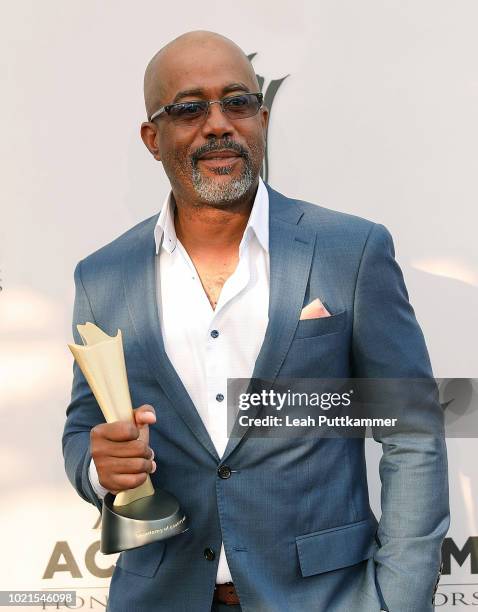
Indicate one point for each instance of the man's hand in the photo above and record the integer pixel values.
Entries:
(121, 451)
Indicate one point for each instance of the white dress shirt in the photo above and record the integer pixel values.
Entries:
(204, 362)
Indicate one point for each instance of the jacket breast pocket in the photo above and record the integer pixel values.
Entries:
(309, 328)
(331, 549)
(143, 561)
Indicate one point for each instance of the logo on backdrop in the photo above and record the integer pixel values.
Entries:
(458, 398)
(64, 565)
(464, 555)
(269, 95)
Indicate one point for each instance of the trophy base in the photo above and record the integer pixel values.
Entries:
(146, 520)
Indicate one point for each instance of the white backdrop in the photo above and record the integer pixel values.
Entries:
(377, 117)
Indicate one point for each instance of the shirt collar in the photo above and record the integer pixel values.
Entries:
(257, 224)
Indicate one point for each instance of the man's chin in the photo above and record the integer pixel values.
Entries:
(222, 188)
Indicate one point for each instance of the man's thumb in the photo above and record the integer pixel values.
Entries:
(144, 416)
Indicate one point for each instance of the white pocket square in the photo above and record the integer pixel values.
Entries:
(314, 310)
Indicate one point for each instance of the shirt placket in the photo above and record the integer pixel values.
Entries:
(217, 353)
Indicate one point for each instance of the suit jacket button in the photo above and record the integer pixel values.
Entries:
(224, 471)
(209, 554)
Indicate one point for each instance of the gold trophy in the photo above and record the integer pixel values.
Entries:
(137, 516)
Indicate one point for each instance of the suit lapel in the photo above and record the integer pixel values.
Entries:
(139, 273)
(291, 247)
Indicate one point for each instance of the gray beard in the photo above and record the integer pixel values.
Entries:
(214, 193)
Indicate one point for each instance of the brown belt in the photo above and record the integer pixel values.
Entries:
(226, 594)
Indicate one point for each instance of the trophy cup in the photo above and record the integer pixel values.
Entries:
(137, 516)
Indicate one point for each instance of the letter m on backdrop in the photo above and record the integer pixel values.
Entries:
(450, 549)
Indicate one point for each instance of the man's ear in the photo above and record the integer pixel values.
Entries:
(264, 119)
(150, 137)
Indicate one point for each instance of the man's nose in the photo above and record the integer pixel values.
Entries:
(217, 123)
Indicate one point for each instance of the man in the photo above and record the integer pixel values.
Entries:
(213, 287)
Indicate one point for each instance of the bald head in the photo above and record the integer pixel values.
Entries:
(181, 64)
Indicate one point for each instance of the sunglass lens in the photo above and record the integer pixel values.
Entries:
(241, 106)
(187, 111)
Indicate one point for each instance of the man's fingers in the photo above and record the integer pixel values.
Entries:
(119, 474)
(134, 465)
(121, 431)
(134, 448)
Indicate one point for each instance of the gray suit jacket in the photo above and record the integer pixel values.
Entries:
(294, 516)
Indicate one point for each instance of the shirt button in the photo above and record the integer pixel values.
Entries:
(214, 333)
(224, 471)
(219, 397)
(209, 554)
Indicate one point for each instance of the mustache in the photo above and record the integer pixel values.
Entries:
(219, 145)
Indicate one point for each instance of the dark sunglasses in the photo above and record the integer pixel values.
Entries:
(195, 112)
